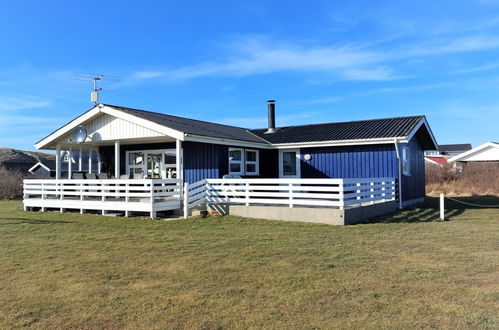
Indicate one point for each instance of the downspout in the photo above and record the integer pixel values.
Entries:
(399, 164)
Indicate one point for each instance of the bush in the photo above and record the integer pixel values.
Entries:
(475, 179)
(11, 184)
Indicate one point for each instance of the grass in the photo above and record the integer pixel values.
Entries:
(401, 271)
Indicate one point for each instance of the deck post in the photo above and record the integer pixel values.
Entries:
(372, 192)
(117, 159)
(70, 163)
(247, 194)
(290, 187)
(341, 194)
(80, 160)
(90, 161)
(178, 160)
(58, 162)
(185, 193)
(98, 162)
(442, 207)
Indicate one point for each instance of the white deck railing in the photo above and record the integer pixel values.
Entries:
(148, 195)
(338, 193)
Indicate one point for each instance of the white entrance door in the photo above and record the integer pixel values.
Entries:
(289, 163)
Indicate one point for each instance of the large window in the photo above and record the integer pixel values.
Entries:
(152, 164)
(243, 161)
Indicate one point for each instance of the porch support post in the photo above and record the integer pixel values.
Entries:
(80, 161)
(179, 161)
(98, 162)
(58, 163)
(70, 163)
(117, 159)
(89, 160)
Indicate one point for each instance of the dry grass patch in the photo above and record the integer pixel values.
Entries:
(403, 271)
(475, 179)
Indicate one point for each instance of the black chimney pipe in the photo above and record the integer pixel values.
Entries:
(271, 111)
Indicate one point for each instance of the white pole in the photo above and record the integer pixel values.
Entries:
(186, 200)
(58, 163)
(70, 163)
(117, 159)
(442, 208)
(80, 161)
(89, 160)
(178, 160)
(98, 162)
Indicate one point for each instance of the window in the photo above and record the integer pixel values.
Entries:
(243, 161)
(406, 161)
(236, 161)
(136, 163)
(289, 163)
(152, 164)
(251, 162)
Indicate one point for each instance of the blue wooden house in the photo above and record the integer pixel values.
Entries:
(130, 143)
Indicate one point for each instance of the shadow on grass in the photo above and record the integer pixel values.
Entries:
(430, 209)
(9, 221)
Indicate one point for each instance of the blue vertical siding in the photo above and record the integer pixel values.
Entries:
(204, 160)
(350, 162)
(413, 186)
(369, 161)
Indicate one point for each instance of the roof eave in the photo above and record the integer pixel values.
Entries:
(214, 140)
(335, 143)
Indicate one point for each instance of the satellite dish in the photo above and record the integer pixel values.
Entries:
(80, 134)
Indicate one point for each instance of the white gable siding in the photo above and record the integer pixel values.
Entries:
(106, 127)
(486, 154)
(109, 128)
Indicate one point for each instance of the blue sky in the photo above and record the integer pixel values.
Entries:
(221, 60)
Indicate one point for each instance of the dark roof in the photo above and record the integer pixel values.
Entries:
(352, 130)
(454, 147)
(192, 126)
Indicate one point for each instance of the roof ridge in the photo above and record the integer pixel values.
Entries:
(345, 122)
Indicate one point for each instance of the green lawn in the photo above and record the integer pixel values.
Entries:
(402, 271)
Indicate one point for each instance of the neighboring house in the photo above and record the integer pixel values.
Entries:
(440, 156)
(155, 145)
(448, 150)
(487, 152)
(435, 160)
(22, 160)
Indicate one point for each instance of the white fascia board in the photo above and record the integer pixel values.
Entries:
(68, 127)
(144, 122)
(339, 143)
(212, 140)
(36, 165)
(418, 126)
(472, 151)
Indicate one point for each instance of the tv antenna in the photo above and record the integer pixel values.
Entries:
(94, 78)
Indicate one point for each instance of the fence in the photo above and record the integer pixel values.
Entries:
(148, 195)
(338, 193)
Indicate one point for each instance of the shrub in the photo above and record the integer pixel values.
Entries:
(11, 184)
(474, 179)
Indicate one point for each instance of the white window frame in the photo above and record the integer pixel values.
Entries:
(240, 162)
(256, 162)
(164, 167)
(281, 163)
(406, 161)
(244, 161)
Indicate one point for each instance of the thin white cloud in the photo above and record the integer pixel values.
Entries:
(324, 100)
(480, 68)
(18, 103)
(146, 74)
(361, 62)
